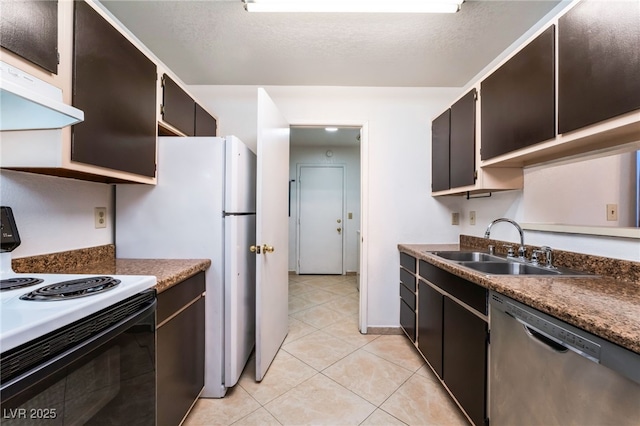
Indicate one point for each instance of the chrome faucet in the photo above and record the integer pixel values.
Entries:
(522, 251)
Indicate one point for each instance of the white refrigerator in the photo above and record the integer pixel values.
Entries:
(203, 207)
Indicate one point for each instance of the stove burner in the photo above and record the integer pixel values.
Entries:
(13, 283)
(72, 289)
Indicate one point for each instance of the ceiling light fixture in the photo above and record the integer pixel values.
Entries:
(331, 129)
(354, 6)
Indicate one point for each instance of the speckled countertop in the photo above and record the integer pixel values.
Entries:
(603, 305)
(101, 260)
(168, 272)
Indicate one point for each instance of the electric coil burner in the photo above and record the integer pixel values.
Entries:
(13, 283)
(72, 289)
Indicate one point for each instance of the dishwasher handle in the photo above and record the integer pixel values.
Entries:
(555, 346)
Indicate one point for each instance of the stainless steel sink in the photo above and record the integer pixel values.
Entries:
(496, 265)
(468, 256)
(510, 268)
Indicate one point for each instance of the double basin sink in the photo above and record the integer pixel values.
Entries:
(496, 265)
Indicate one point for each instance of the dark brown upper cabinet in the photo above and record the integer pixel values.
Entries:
(598, 62)
(453, 145)
(462, 151)
(30, 30)
(205, 124)
(114, 83)
(518, 99)
(440, 131)
(178, 108)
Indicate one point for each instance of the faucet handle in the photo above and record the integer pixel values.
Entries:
(548, 254)
(534, 256)
(510, 252)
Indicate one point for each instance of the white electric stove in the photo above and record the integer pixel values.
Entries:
(53, 301)
(32, 305)
(80, 348)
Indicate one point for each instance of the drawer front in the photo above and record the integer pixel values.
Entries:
(408, 320)
(463, 290)
(408, 262)
(408, 296)
(408, 279)
(174, 298)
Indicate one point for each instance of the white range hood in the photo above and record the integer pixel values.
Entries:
(28, 103)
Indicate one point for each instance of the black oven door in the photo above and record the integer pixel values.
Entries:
(109, 378)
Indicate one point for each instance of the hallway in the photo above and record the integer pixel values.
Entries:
(327, 373)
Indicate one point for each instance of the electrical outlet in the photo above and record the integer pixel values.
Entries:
(612, 212)
(100, 217)
(455, 218)
(472, 217)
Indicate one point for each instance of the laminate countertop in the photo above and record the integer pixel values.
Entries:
(101, 260)
(603, 305)
(168, 272)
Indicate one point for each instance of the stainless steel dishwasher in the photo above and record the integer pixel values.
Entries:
(543, 371)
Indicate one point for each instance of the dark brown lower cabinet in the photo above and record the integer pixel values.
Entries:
(465, 358)
(430, 325)
(452, 336)
(180, 349)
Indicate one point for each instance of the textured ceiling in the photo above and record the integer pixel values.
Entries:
(218, 42)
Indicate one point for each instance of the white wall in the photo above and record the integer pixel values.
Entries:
(55, 214)
(350, 158)
(556, 193)
(400, 208)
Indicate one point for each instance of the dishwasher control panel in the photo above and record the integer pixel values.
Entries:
(548, 327)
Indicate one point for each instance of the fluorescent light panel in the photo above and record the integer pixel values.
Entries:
(354, 6)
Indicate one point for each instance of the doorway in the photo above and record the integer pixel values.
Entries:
(320, 219)
(327, 242)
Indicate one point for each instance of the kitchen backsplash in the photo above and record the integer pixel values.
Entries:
(623, 270)
(66, 261)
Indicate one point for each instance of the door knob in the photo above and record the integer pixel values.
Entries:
(254, 249)
(339, 230)
(339, 220)
(268, 249)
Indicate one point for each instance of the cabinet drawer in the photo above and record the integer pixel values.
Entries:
(408, 262)
(408, 296)
(173, 299)
(408, 320)
(408, 279)
(463, 290)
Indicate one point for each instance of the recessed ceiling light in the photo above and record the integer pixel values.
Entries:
(354, 6)
(331, 129)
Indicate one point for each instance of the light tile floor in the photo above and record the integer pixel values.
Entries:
(327, 373)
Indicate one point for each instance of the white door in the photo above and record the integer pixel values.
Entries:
(272, 233)
(321, 221)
